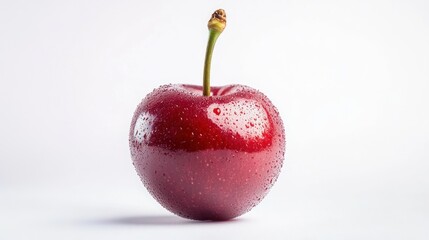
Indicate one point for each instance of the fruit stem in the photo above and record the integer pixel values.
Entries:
(216, 25)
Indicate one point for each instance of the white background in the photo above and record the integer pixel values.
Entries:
(350, 79)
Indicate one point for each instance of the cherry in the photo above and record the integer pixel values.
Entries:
(207, 153)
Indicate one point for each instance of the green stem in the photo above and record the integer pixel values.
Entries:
(213, 35)
(216, 26)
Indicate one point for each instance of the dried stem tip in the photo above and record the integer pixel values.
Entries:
(218, 21)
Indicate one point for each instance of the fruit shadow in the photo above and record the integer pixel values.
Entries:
(154, 220)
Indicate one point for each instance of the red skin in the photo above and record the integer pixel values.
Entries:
(207, 158)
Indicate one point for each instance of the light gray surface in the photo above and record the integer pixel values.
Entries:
(350, 78)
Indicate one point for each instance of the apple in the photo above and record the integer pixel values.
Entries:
(207, 153)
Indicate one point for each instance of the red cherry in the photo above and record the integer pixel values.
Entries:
(207, 153)
(207, 158)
